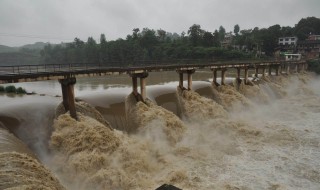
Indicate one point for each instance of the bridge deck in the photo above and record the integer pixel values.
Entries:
(9, 74)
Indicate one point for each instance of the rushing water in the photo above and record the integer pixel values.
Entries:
(264, 136)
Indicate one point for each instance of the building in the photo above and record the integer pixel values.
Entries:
(227, 41)
(309, 48)
(314, 37)
(287, 45)
(292, 57)
(288, 41)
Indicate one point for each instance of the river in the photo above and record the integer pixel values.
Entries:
(265, 137)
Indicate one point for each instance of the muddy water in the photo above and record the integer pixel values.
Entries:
(274, 144)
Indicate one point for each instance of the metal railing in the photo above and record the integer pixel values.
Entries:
(123, 66)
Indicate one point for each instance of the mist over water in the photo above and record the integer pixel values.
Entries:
(264, 136)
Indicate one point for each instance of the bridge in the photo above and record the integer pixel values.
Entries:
(67, 73)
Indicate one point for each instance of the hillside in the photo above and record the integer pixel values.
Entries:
(18, 58)
(6, 49)
(35, 46)
(25, 55)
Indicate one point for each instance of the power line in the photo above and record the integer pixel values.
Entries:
(34, 36)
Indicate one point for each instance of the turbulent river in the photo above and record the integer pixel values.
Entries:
(260, 136)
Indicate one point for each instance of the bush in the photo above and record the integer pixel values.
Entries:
(2, 89)
(10, 89)
(21, 91)
(314, 66)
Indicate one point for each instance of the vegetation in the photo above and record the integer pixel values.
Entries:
(12, 89)
(314, 65)
(197, 43)
(148, 44)
(21, 91)
(25, 55)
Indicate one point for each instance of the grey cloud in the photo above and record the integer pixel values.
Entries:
(66, 19)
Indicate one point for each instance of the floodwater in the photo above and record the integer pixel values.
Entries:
(265, 136)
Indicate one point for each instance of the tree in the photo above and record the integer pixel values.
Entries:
(207, 39)
(148, 40)
(78, 43)
(135, 34)
(216, 39)
(222, 33)
(307, 26)
(161, 35)
(91, 51)
(103, 39)
(103, 51)
(236, 29)
(195, 34)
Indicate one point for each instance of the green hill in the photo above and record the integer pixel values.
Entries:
(35, 46)
(19, 58)
(6, 49)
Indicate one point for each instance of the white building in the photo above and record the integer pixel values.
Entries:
(288, 41)
(292, 57)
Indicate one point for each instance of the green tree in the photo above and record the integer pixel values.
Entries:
(216, 39)
(135, 34)
(148, 41)
(222, 33)
(195, 34)
(91, 48)
(103, 48)
(207, 39)
(236, 29)
(306, 26)
(161, 35)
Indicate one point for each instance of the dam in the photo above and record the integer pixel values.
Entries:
(195, 128)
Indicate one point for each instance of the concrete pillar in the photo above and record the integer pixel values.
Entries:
(64, 96)
(288, 69)
(71, 101)
(181, 80)
(189, 80)
(214, 76)
(135, 85)
(246, 74)
(238, 73)
(296, 68)
(142, 76)
(277, 70)
(143, 87)
(223, 76)
(270, 70)
(263, 72)
(189, 75)
(302, 67)
(257, 72)
(67, 87)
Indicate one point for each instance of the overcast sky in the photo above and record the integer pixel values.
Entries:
(28, 21)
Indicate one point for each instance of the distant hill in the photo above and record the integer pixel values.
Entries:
(24, 55)
(35, 46)
(19, 58)
(7, 49)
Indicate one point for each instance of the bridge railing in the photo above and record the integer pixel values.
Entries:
(74, 67)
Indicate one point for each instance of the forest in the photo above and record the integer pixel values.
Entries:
(197, 43)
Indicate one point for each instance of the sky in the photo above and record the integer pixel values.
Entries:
(55, 21)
